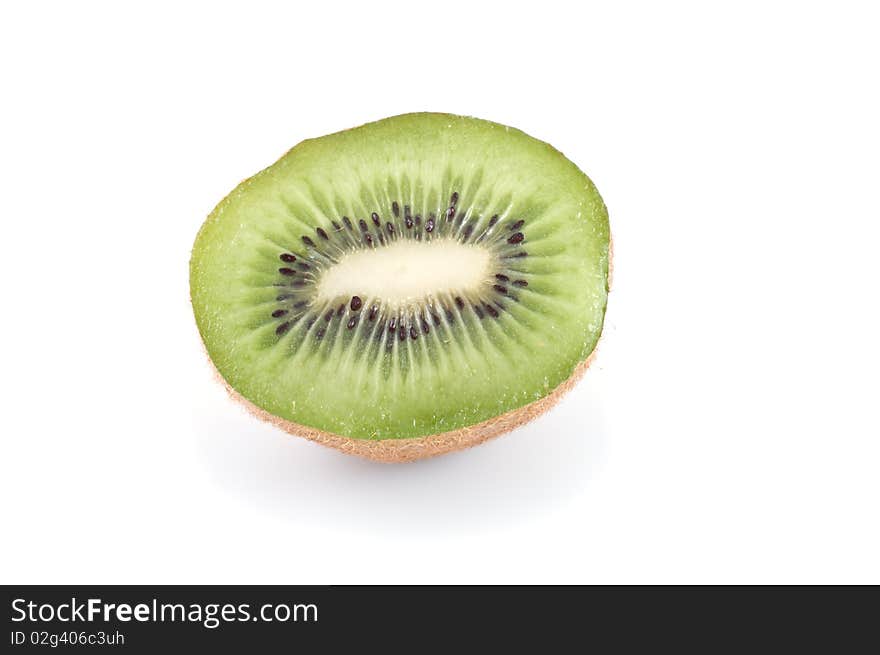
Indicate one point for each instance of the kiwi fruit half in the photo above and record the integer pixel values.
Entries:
(405, 288)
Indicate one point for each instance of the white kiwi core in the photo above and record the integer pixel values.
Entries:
(407, 271)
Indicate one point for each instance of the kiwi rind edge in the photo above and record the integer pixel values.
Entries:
(415, 448)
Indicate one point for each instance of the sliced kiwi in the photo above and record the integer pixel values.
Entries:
(405, 288)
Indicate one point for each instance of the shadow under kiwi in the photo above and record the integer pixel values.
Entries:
(534, 469)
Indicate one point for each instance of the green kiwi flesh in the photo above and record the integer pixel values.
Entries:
(415, 276)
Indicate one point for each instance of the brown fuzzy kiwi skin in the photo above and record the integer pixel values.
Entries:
(415, 448)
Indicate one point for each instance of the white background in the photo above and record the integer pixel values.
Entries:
(728, 431)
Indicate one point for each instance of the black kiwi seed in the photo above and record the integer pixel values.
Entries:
(501, 277)
(356, 303)
(336, 226)
(328, 315)
(284, 296)
(401, 332)
(395, 209)
(340, 309)
(286, 271)
(459, 302)
(375, 218)
(435, 318)
(413, 333)
(392, 324)
(493, 220)
(409, 222)
(320, 334)
(418, 219)
(322, 233)
(450, 213)
(284, 327)
(454, 198)
(520, 283)
(500, 289)
(287, 257)
(479, 311)
(516, 238)
(347, 221)
(517, 225)
(308, 242)
(449, 316)
(363, 225)
(429, 224)
(492, 311)
(278, 313)
(352, 322)
(368, 239)
(425, 327)
(373, 311)
(389, 227)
